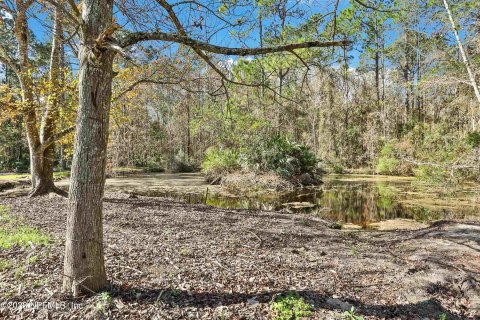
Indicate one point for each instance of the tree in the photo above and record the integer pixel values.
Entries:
(40, 142)
(465, 59)
(84, 267)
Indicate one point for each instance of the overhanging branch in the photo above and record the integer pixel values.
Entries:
(162, 82)
(135, 37)
(366, 5)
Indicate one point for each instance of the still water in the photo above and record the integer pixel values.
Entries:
(354, 199)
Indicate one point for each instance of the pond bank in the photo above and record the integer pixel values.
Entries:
(172, 260)
(349, 200)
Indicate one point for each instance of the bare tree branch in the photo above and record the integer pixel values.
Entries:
(366, 5)
(135, 37)
(5, 58)
(59, 5)
(162, 82)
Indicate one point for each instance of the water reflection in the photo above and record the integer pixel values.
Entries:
(365, 203)
(341, 200)
(353, 199)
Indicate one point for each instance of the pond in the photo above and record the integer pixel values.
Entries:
(353, 201)
(357, 200)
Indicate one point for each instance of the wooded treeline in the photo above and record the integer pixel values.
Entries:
(398, 97)
(399, 94)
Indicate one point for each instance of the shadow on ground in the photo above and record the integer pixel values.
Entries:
(429, 309)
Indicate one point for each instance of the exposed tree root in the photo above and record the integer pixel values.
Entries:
(42, 190)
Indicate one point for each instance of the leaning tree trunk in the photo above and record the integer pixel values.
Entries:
(84, 268)
(466, 61)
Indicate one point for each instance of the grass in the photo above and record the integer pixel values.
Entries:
(26, 176)
(290, 307)
(12, 234)
(175, 293)
(14, 176)
(5, 264)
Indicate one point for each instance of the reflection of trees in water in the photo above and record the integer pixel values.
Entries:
(358, 203)
(362, 203)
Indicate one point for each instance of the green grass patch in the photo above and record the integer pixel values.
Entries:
(12, 234)
(21, 236)
(351, 315)
(26, 176)
(104, 302)
(14, 176)
(61, 175)
(290, 307)
(5, 264)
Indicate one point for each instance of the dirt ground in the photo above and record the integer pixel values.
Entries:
(170, 260)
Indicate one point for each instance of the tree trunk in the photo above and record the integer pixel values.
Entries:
(43, 166)
(84, 268)
(22, 36)
(465, 59)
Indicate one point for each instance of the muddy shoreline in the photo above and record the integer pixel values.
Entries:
(171, 260)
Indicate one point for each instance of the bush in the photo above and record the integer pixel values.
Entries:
(473, 139)
(338, 168)
(433, 154)
(387, 162)
(291, 161)
(181, 166)
(287, 159)
(218, 162)
(185, 167)
(429, 173)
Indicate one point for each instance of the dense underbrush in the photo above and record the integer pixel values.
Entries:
(434, 155)
(275, 163)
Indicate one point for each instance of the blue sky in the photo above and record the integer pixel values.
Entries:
(40, 26)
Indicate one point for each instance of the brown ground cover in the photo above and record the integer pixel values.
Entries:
(170, 260)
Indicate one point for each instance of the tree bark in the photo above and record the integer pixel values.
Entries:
(465, 59)
(41, 165)
(26, 85)
(44, 157)
(84, 268)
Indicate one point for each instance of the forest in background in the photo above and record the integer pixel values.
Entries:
(396, 100)
(264, 96)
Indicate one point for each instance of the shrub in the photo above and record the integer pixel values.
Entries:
(289, 160)
(338, 168)
(286, 158)
(104, 303)
(439, 152)
(218, 162)
(181, 166)
(387, 162)
(473, 139)
(429, 173)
